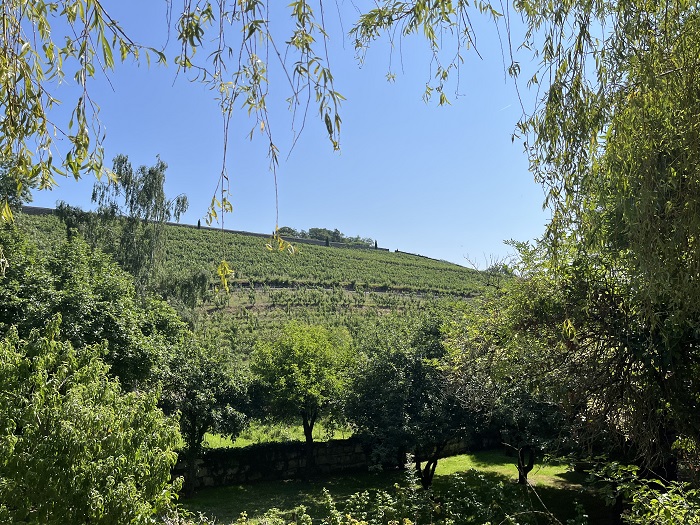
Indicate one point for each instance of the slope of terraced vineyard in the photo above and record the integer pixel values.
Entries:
(315, 283)
(311, 265)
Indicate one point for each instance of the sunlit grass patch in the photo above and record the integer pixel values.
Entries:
(549, 472)
(257, 433)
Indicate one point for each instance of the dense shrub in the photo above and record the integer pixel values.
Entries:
(74, 448)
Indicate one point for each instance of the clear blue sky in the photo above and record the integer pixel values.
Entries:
(446, 182)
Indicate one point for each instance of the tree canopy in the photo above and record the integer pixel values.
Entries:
(137, 200)
(616, 146)
(75, 447)
(397, 397)
(96, 299)
(304, 372)
(324, 234)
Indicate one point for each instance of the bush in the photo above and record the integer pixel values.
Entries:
(74, 448)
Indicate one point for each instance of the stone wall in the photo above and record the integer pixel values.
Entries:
(271, 461)
(268, 461)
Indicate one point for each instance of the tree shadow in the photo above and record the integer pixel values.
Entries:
(572, 477)
(491, 458)
(225, 504)
(560, 500)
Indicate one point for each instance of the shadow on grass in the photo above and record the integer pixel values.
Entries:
(572, 478)
(226, 504)
(525, 500)
(561, 502)
(492, 458)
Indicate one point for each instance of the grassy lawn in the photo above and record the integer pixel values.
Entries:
(557, 488)
(496, 462)
(226, 503)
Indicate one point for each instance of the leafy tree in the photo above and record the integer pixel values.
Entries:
(145, 343)
(653, 503)
(615, 147)
(303, 372)
(574, 346)
(74, 447)
(501, 367)
(288, 232)
(99, 234)
(186, 290)
(96, 300)
(397, 396)
(324, 234)
(207, 388)
(137, 199)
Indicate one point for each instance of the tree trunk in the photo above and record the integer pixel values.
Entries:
(193, 431)
(190, 481)
(427, 473)
(192, 453)
(526, 460)
(308, 420)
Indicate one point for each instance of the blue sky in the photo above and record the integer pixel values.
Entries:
(446, 182)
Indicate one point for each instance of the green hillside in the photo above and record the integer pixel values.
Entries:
(312, 265)
(314, 282)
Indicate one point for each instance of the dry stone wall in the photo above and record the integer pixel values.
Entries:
(271, 461)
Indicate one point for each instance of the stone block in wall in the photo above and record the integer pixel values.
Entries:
(255, 476)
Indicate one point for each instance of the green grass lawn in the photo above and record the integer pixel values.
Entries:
(557, 489)
(225, 504)
(550, 474)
